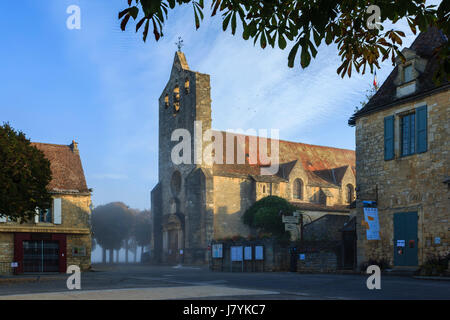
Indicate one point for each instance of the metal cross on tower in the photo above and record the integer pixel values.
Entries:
(179, 43)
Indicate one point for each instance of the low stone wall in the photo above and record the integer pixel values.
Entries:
(5, 268)
(318, 256)
(275, 257)
(310, 256)
(320, 261)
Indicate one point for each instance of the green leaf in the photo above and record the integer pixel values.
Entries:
(317, 38)
(122, 13)
(226, 21)
(139, 24)
(145, 33)
(134, 11)
(281, 41)
(124, 22)
(305, 58)
(312, 49)
(263, 41)
(233, 24)
(246, 32)
(292, 55)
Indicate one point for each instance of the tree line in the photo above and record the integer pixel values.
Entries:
(116, 226)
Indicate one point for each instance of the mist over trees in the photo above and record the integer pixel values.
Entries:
(116, 226)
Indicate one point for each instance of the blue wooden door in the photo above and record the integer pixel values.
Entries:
(405, 239)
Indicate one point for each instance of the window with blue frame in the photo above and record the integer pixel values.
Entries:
(45, 215)
(408, 130)
(413, 133)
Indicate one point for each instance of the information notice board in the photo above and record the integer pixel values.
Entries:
(236, 253)
(371, 218)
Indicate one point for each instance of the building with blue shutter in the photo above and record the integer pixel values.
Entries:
(60, 236)
(402, 161)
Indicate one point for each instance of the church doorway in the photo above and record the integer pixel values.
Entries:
(173, 247)
(173, 240)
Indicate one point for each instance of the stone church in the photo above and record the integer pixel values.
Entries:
(197, 202)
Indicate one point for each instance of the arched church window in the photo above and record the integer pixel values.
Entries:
(166, 101)
(175, 183)
(350, 193)
(298, 189)
(176, 94)
(176, 100)
(186, 86)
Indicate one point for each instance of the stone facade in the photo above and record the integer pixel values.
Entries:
(405, 184)
(74, 227)
(196, 202)
(411, 184)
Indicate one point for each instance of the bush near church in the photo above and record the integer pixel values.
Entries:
(265, 215)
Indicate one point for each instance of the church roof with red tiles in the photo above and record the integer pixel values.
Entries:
(325, 166)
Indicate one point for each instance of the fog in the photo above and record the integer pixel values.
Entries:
(96, 255)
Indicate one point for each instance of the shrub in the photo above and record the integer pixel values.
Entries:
(435, 265)
(265, 215)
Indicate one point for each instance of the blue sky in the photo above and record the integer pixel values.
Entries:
(100, 86)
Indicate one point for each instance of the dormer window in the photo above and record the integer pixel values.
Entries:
(409, 69)
(408, 73)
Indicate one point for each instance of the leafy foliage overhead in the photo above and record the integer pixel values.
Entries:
(24, 176)
(305, 24)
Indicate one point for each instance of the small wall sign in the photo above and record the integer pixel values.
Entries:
(400, 243)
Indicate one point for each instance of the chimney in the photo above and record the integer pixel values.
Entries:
(74, 147)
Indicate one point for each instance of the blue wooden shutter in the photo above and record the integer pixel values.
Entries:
(389, 138)
(421, 129)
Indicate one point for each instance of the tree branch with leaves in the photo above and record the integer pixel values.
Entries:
(306, 24)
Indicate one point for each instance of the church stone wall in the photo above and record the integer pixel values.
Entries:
(232, 196)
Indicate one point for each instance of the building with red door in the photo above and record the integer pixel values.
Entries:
(60, 236)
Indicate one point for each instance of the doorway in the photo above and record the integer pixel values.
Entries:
(173, 246)
(40, 256)
(405, 239)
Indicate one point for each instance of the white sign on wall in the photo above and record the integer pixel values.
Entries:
(400, 243)
(290, 219)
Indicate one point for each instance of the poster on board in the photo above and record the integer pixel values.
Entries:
(217, 250)
(236, 253)
(371, 218)
(247, 253)
(259, 253)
